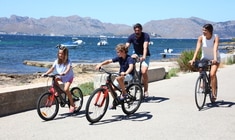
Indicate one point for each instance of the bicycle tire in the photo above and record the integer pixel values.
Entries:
(216, 92)
(200, 92)
(97, 105)
(77, 98)
(47, 106)
(133, 102)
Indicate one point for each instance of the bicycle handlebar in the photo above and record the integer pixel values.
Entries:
(201, 63)
(51, 75)
(110, 73)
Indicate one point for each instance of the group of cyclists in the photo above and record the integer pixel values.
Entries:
(207, 42)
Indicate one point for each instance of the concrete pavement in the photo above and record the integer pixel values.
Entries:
(170, 113)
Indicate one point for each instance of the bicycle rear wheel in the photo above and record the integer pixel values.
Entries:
(132, 103)
(77, 98)
(200, 92)
(97, 105)
(216, 92)
(47, 106)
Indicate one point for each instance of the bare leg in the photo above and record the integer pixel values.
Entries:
(120, 80)
(66, 89)
(213, 79)
(144, 71)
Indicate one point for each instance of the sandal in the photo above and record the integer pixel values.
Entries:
(123, 97)
(112, 107)
(72, 109)
(146, 94)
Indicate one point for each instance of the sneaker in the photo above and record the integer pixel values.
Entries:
(146, 94)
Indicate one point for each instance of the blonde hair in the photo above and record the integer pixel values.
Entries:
(122, 48)
(66, 55)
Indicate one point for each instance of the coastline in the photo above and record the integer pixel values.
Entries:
(83, 73)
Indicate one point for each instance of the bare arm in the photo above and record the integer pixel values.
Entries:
(216, 45)
(128, 44)
(145, 46)
(50, 70)
(103, 63)
(198, 46)
(68, 67)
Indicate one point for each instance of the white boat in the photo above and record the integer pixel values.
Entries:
(74, 43)
(168, 50)
(103, 41)
(151, 43)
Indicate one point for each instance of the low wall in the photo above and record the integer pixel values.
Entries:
(19, 99)
(154, 74)
(23, 98)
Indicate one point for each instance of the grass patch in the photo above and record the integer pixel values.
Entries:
(172, 73)
(87, 88)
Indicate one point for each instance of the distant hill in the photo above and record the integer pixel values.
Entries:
(78, 26)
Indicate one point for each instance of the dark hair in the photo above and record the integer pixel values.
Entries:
(137, 25)
(208, 27)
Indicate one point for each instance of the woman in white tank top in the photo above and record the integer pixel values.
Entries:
(209, 43)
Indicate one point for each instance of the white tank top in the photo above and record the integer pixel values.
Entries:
(207, 48)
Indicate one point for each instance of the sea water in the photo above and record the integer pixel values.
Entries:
(15, 49)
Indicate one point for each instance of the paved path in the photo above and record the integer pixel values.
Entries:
(170, 113)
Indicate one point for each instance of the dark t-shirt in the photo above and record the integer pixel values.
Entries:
(124, 63)
(139, 42)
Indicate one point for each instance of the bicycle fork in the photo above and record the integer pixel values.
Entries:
(101, 96)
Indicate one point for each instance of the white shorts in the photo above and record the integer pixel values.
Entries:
(128, 77)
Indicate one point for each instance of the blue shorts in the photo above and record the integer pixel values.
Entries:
(128, 77)
(145, 63)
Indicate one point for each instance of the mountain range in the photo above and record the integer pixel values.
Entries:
(79, 26)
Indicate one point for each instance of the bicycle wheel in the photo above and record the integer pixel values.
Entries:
(97, 105)
(47, 106)
(77, 98)
(132, 103)
(200, 95)
(216, 92)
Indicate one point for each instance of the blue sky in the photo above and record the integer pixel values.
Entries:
(121, 11)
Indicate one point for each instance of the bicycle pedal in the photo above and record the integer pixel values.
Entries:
(62, 105)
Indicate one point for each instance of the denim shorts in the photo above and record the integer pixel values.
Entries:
(146, 61)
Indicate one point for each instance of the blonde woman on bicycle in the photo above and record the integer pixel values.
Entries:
(63, 66)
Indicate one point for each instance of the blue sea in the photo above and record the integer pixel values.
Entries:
(15, 49)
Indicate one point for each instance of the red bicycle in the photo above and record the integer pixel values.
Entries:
(48, 102)
(98, 101)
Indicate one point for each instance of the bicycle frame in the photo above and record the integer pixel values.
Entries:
(56, 88)
(137, 74)
(109, 87)
(205, 74)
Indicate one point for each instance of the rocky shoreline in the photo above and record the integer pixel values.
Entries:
(84, 72)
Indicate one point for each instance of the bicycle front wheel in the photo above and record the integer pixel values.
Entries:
(47, 106)
(132, 103)
(97, 105)
(200, 92)
(77, 98)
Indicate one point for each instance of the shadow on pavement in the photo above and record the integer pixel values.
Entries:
(221, 104)
(140, 116)
(153, 99)
(79, 114)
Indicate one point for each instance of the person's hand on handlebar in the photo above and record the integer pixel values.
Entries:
(191, 62)
(214, 61)
(123, 74)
